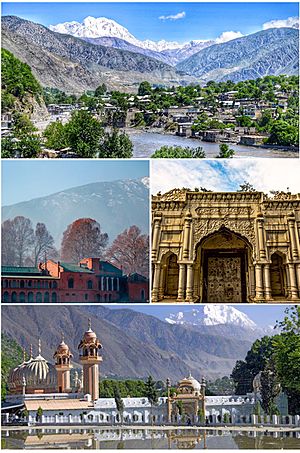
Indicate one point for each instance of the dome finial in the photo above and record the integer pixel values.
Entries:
(31, 351)
(24, 355)
(40, 347)
(62, 337)
(90, 324)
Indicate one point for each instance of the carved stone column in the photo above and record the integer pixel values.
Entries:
(186, 236)
(162, 278)
(259, 294)
(292, 234)
(189, 283)
(267, 282)
(252, 280)
(155, 236)
(196, 281)
(181, 283)
(288, 280)
(261, 237)
(298, 277)
(293, 281)
(156, 278)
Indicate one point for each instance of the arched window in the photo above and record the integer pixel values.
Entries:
(39, 297)
(143, 294)
(14, 284)
(86, 297)
(22, 284)
(29, 283)
(22, 297)
(54, 285)
(109, 297)
(30, 297)
(98, 298)
(46, 297)
(90, 284)
(5, 283)
(53, 297)
(71, 283)
(38, 284)
(6, 296)
(14, 297)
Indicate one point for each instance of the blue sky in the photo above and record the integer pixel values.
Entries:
(262, 315)
(201, 20)
(264, 174)
(24, 180)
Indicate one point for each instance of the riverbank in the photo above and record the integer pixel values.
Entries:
(145, 143)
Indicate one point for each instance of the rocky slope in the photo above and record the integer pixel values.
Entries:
(116, 205)
(134, 344)
(269, 52)
(69, 63)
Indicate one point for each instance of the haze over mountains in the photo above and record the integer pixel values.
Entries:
(134, 344)
(77, 56)
(116, 205)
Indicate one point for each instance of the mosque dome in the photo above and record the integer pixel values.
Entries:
(38, 374)
(189, 383)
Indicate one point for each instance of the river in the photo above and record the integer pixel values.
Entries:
(145, 143)
(143, 438)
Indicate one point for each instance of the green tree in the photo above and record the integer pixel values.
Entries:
(225, 152)
(270, 388)
(246, 187)
(39, 413)
(151, 393)
(29, 147)
(244, 121)
(116, 145)
(283, 133)
(144, 88)
(22, 126)
(119, 402)
(287, 356)
(101, 90)
(55, 135)
(179, 152)
(83, 134)
(8, 148)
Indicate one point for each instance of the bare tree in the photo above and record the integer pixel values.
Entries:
(83, 239)
(130, 250)
(43, 244)
(17, 239)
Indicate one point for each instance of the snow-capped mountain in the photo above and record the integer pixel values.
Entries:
(212, 315)
(98, 27)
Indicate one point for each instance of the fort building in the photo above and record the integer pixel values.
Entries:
(225, 247)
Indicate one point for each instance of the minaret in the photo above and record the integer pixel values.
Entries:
(90, 358)
(63, 366)
(203, 387)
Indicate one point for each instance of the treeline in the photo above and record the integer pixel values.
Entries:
(26, 245)
(276, 360)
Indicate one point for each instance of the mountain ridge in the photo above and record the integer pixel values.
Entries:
(134, 344)
(116, 205)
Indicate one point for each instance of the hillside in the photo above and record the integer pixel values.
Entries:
(20, 91)
(11, 356)
(116, 205)
(73, 65)
(269, 52)
(134, 344)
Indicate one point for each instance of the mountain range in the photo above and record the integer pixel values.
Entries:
(75, 57)
(74, 65)
(116, 205)
(134, 344)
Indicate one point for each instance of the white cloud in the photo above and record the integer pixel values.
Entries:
(264, 174)
(228, 36)
(173, 16)
(290, 22)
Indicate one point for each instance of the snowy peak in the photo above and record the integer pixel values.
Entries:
(212, 315)
(92, 27)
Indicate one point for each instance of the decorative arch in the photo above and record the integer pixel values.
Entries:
(170, 276)
(222, 260)
(278, 276)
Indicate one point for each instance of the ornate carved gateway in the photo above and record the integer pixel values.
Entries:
(225, 247)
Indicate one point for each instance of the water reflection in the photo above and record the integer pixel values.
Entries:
(145, 143)
(112, 438)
